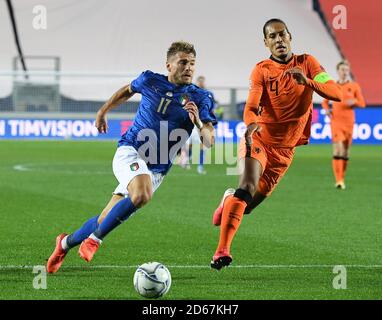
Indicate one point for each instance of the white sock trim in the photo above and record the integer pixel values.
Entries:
(64, 244)
(92, 236)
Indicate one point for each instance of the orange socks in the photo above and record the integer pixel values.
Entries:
(344, 163)
(232, 215)
(339, 168)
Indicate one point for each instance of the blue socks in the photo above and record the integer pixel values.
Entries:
(201, 157)
(118, 214)
(81, 234)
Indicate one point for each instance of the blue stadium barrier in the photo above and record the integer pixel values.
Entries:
(367, 130)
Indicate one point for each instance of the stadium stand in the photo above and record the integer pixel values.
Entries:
(109, 39)
(363, 21)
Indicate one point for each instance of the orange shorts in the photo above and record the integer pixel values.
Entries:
(274, 161)
(342, 133)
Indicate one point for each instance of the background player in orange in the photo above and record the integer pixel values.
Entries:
(278, 116)
(342, 121)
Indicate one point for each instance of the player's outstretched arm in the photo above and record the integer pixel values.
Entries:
(252, 107)
(122, 95)
(328, 90)
(321, 83)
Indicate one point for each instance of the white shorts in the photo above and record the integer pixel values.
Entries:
(127, 164)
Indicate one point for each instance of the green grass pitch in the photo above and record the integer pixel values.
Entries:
(286, 249)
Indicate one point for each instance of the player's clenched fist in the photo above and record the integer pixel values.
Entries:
(193, 112)
(297, 75)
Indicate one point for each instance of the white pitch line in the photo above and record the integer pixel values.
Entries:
(250, 266)
(21, 167)
(25, 167)
(32, 167)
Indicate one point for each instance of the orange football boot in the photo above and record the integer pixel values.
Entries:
(88, 249)
(222, 258)
(57, 257)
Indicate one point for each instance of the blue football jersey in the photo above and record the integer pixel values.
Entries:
(161, 125)
(212, 98)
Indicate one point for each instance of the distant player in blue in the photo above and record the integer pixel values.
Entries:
(170, 108)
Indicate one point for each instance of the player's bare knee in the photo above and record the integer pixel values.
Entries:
(140, 199)
(250, 187)
(102, 216)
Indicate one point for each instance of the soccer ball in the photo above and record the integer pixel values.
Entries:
(152, 280)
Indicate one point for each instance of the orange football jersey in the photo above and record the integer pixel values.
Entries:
(342, 112)
(282, 107)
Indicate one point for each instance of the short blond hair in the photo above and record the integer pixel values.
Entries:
(180, 46)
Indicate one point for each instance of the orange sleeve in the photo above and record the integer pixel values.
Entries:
(325, 104)
(254, 96)
(328, 90)
(360, 99)
(314, 67)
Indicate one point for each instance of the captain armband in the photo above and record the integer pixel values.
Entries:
(322, 77)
